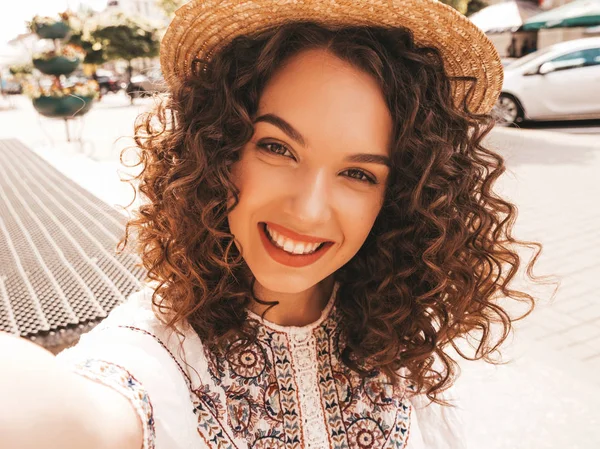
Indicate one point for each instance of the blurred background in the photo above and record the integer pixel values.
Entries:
(74, 75)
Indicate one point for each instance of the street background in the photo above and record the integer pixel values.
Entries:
(546, 396)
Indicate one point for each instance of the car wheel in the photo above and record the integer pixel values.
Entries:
(508, 110)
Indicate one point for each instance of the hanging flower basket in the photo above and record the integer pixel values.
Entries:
(49, 27)
(58, 65)
(63, 102)
(56, 30)
(63, 107)
(62, 61)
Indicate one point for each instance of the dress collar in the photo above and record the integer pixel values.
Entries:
(298, 330)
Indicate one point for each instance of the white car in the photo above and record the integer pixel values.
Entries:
(560, 82)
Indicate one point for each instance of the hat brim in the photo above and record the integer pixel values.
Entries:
(200, 28)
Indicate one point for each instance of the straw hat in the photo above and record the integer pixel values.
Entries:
(201, 27)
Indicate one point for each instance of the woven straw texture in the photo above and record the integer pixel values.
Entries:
(59, 271)
(201, 27)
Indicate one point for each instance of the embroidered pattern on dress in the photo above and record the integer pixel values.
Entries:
(367, 413)
(288, 390)
(210, 429)
(121, 380)
(260, 395)
(292, 391)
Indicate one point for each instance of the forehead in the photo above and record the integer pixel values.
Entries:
(326, 98)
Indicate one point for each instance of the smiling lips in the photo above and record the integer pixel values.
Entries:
(290, 248)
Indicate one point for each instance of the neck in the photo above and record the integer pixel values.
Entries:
(294, 309)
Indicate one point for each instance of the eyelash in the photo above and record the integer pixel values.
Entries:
(365, 177)
(265, 146)
(362, 176)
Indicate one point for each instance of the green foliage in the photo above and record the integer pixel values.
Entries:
(476, 5)
(40, 21)
(21, 69)
(170, 6)
(94, 50)
(466, 7)
(127, 38)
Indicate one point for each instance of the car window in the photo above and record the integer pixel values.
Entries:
(579, 58)
(530, 57)
(592, 56)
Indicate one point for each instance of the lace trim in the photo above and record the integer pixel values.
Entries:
(304, 355)
(121, 380)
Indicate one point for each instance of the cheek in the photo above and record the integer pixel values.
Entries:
(257, 185)
(357, 217)
(257, 182)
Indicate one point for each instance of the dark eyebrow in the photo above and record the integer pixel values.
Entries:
(366, 158)
(369, 158)
(282, 125)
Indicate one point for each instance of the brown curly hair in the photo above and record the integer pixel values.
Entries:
(440, 253)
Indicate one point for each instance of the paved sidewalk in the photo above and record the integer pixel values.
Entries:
(554, 181)
(546, 397)
(547, 394)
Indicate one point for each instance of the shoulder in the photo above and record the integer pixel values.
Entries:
(137, 312)
(134, 353)
(134, 332)
(139, 322)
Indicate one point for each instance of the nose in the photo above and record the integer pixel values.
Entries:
(309, 202)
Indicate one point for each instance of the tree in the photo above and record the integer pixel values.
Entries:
(459, 5)
(94, 51)
(466, 7)
(127, 38)
(170, 6)
(475, 5)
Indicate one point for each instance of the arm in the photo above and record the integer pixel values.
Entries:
(43, 404)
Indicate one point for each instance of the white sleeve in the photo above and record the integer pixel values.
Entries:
(435, 426)
(137, 365)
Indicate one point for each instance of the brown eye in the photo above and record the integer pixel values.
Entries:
(275, 148)
(359, 175)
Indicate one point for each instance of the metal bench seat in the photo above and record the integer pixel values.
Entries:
(60, 274)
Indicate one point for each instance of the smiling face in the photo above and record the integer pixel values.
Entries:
(312, 178)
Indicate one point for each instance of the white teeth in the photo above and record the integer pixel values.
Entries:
(291, 246)
(280, 240)
(288, 246)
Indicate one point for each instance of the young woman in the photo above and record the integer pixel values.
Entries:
(319, 230)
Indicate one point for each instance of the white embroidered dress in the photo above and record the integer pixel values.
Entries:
(289, 390)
